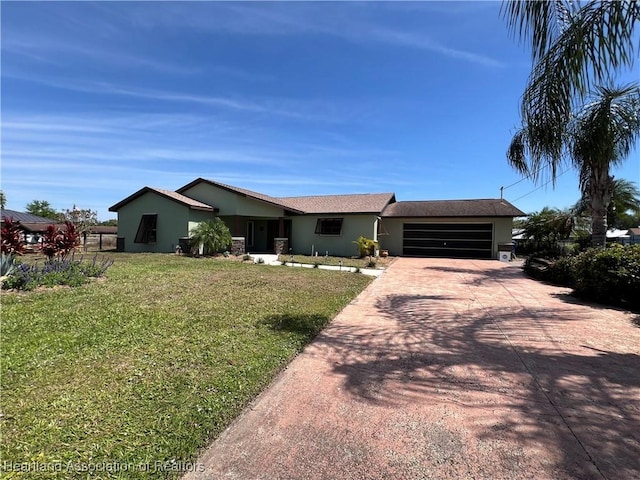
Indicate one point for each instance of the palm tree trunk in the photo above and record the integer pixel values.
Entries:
(600, 186)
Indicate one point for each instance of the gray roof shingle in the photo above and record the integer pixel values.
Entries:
(355, 203)
(491, 207)
(334, 204)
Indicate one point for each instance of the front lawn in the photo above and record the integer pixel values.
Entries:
(137, 373)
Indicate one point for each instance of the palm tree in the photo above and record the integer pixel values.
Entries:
(575, 46)
(548, 227)
(600, 135)
(625, 197)
(212, 235)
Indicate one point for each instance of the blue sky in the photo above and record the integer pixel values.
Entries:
(421, 99)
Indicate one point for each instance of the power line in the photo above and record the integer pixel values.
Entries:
(541, 186)
(528, 176)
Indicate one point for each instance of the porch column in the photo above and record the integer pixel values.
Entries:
(237, 226)
(281, 227)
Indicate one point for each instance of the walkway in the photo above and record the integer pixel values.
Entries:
(449, 369)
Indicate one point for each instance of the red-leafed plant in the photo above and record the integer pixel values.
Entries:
(58, 242)
(12, 237)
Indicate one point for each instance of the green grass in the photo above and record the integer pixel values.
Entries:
(346, 261)
(152, 363)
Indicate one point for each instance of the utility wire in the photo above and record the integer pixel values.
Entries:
(541, 186)
(527, 177)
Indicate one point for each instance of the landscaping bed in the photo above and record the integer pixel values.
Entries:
(366, 262)
(138, 373)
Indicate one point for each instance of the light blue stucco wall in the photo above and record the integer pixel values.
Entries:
(174, 220)
(303, 236)
(230, 204)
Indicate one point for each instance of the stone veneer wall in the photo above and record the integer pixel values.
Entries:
(280, 246)
(237, 246)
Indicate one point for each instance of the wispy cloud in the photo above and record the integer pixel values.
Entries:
(348, 22)
(423, 42)
(47, 49)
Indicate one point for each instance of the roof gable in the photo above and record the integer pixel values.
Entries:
(240, 191)
(491, 207)
(173, 196)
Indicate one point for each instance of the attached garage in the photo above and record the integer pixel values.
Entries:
(447, 228)
(450, 240)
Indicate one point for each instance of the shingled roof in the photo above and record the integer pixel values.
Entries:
(354, 203)
(171, 195)
(491, 207)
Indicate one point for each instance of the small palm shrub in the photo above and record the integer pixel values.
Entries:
(213, 235)
(366, 246)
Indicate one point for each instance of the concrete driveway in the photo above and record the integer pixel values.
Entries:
(449, 369)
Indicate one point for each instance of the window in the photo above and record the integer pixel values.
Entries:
(329, 226)
(250, 230)
(147, 229)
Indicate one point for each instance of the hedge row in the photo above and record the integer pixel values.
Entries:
(610, 275)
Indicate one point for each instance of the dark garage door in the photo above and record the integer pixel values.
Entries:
(449, 240)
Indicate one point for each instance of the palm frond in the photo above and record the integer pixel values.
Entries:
(607, 128)
(572, 48)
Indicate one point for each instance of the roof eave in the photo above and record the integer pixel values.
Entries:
(142, 191)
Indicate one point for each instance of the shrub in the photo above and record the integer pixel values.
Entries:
(12, 237)
(371, 263)
(58, 242)
(366, 246)
(562, 272)
(610, 275)
(58, 271)
(213, 235)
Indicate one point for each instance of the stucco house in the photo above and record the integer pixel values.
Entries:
(634, 235)
(154, 220)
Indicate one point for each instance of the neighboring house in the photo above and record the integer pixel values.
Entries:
(24, 217)
(32, 225)
(616, 235)
(634, 235)
(155, 220)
